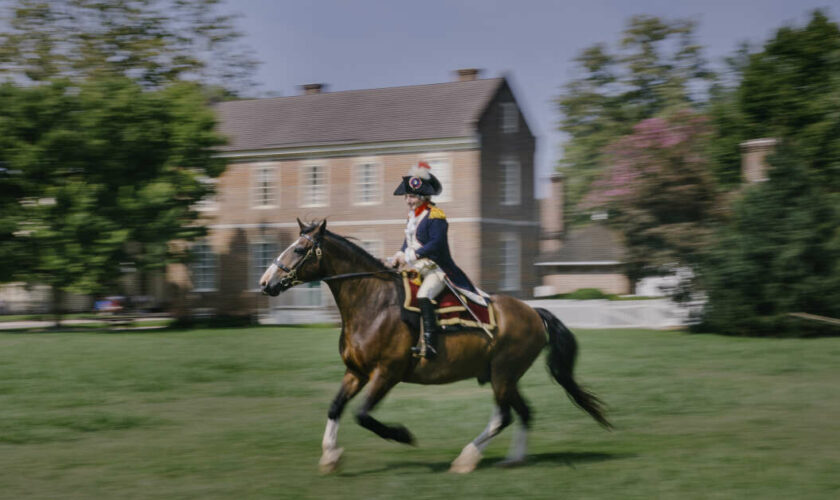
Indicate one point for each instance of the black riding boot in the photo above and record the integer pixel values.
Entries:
(430, 328)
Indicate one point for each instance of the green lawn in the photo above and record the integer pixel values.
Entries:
(239, 413)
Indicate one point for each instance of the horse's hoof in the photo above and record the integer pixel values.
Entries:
(467, 460)
(330, 460)
(461, 468)
(403, 435)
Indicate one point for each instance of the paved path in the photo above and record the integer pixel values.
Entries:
(32, 324)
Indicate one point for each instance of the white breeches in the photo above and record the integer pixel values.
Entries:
(432, 285)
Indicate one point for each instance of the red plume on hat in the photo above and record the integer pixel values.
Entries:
(421, 170)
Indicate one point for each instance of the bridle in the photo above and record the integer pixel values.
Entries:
(291, 278)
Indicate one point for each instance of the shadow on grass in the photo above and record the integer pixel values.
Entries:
(566, 459)
(569, 459)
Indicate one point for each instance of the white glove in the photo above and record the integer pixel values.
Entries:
(396, 259)
(410, 256)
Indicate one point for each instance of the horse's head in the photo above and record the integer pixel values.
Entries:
(299, 263)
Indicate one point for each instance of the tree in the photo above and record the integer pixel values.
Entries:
(781, 251)
(108, 174)
(658, 69)
(154, 42)
(660, 193)
(779, 254)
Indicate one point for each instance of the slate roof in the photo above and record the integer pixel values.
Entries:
(433, 111)
(591, 243)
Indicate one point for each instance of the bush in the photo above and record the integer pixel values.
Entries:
(779, 255)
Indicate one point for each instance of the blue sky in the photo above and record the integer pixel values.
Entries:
(358, 44)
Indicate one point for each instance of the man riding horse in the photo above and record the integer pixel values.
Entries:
(426, 248)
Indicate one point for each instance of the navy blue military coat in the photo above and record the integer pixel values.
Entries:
(432, 235)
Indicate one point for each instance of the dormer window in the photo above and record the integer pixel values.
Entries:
(510, 118)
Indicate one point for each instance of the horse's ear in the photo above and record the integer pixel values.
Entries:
(322, 228)
(300, 223)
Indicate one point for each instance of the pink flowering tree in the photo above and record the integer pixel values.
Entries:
(659, 192)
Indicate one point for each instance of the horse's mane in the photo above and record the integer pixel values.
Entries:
(358, 254)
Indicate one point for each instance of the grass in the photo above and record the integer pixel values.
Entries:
(239, 413)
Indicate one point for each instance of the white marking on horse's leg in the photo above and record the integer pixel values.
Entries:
(330, 435)
(490, 431)
(471, 454)
(331, 453)
(518, 446)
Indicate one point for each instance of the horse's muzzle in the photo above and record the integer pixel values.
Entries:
(277, 288)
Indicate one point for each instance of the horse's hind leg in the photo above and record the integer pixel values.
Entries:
(519, 442)
(331, 453)
(471, 454)
(507, 397)
(380, 384)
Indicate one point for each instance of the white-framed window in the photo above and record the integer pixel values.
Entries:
(262, 254)
(211, 201)
(264, 186)
(314, 185)
(367, 175)
(373, 247)
(441, 167)
(509, 255)
(204, 268)
(510, 117)
(511, 181)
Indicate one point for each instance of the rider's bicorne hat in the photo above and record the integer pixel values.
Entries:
(419, 181)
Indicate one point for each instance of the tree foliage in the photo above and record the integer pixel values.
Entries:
(781, 252)
(657, 69)
(660, 192)
(789, 89)
(151, 41)
(105, 173)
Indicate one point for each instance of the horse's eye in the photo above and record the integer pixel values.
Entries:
(300, 250)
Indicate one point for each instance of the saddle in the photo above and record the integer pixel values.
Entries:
(451, 314)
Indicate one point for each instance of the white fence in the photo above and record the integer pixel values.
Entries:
(301, 305)
(655, 313)
(19, 298)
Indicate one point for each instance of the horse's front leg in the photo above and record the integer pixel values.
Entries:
(381, 382)
(331, 453)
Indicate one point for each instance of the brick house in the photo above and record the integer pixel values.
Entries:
(340, 155)
(588, 256)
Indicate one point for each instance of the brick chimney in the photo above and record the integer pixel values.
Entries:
(753, 155)
(551, 216)
(313, 88)
(468, 74)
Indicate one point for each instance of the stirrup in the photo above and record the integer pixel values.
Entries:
(423, 350)
(418, 351)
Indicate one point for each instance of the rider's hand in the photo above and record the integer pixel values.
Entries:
(397, 261)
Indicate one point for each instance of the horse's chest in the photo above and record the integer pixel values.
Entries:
(353, 353)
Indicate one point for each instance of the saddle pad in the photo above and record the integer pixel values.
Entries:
(450, 311)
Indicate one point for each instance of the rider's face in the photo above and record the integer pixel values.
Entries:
(413, 201)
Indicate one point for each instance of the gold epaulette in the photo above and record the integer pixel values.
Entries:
(436, 213)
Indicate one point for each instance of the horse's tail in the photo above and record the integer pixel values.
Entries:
(561, 362)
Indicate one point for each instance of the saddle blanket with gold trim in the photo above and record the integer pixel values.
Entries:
(451, 313)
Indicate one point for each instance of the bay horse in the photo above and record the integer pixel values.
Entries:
(375, 345)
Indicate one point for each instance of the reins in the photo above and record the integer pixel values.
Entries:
(291, 274)
(358, 275)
